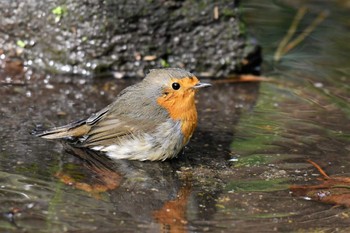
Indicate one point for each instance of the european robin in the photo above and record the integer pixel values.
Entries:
(151, 120)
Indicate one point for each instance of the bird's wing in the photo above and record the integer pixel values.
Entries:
(75, 129)
(110, 130)
(94, 118)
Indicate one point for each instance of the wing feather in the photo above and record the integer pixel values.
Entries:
(110, 131)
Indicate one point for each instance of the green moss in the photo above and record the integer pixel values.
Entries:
(257, 185)
(21, 43)
(164, 63)
(228, 12)
(59, 11)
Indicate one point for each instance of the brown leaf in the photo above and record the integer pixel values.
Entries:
(332, 190)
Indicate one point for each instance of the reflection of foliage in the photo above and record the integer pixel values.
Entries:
(287, 44)
(257, 185)
(257, 131)
(342, 103)
(252, 160)
(260, 159)
(273, 215)
(294, 117)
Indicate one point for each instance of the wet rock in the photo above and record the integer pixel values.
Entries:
(125, 38)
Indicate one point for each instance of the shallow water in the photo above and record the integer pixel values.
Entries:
(251, 144)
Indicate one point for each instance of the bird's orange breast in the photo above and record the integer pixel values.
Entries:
(181, 107)
(186, 114)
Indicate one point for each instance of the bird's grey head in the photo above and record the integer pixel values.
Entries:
(162, 77)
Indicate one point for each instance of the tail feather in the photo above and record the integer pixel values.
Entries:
(76, 129)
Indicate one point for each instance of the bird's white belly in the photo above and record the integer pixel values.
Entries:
(164, 142)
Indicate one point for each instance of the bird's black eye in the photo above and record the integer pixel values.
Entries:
(176, 86)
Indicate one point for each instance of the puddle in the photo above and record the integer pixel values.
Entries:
(251, 144)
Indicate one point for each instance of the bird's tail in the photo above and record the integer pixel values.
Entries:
(75, 129)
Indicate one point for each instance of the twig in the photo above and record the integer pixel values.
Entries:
(291, 31)
(320, 170)
(242, 79)
(306, 32)
(341, 186)
(284, 46)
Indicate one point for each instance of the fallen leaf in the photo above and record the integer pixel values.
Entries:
(333, 189)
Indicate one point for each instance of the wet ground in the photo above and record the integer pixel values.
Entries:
(251, 144)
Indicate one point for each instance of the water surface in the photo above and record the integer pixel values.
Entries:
(251, 144)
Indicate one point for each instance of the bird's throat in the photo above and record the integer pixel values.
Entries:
(184, 111)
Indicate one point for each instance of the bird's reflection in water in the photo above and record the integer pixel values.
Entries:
(95, 172)
(172, 216)
(154, 193)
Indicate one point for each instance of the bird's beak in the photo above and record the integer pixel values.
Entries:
(201, 85)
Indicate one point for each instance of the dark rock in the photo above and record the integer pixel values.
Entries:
(124, 37)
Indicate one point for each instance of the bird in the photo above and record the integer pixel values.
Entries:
(150, 120)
